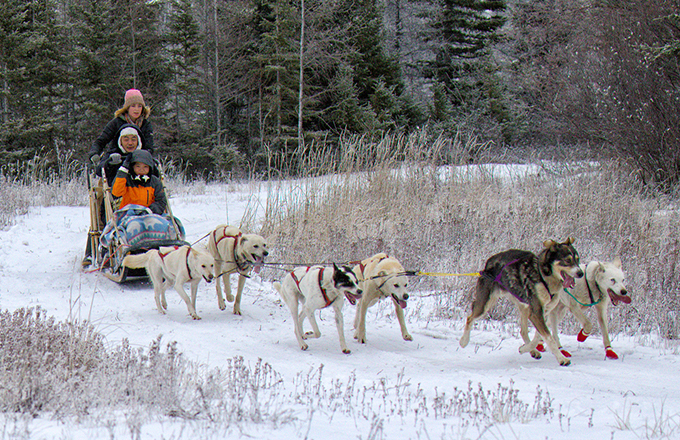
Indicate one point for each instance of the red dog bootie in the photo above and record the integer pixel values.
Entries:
(565, 353)
(540, 347)
(610, 353)
(582, 336)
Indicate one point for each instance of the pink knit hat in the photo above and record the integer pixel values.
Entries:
(133, 96)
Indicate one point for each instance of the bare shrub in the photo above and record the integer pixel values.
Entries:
(65, 369)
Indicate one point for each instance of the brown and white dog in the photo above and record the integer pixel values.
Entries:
(380, 276)
(532, 283)
(235, 252)
(170, 266)
(604, 283)
(315, 288)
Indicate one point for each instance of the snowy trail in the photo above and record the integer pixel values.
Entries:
(40, 266)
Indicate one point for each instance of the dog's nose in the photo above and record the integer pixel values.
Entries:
(405, 296)
(359, 292)
(624, 292)
(265, 253)
(579, 274)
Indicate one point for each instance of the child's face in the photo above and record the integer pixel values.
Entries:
(129, 142)
(141, 169)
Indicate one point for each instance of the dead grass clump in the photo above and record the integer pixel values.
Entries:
(452, 218)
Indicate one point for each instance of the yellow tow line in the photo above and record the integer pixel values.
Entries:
(443, 274)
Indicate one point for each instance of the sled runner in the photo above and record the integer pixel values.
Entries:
(115, 233)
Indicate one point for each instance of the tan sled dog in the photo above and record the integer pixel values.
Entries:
(604, 283)
(235, 252)
(171, 266)
(315, 288)
(380, 277)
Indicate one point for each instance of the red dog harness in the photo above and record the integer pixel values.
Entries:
(323, 291)
(163, 255)
(236, 238)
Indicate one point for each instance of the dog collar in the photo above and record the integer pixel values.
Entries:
(590, 292)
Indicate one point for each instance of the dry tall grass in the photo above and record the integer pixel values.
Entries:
(396, 197)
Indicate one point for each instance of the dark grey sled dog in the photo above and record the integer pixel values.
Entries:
(532, 282)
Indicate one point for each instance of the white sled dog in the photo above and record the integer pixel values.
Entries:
(235, 252)
(315, 288)
(380, 276)
(170, 266)
(604, 283)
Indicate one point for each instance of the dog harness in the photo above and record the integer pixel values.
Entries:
(163, 255)
(498, 279)
(236, 237)
(323, 291)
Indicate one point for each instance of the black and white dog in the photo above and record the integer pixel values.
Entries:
(315, 288)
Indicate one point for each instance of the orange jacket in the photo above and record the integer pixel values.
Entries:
(147, 193)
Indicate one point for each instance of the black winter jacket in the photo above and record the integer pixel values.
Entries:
(109, 136)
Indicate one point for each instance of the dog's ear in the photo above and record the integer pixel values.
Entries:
(570, 240)
(600, 268)
(543, 265)
(335, 267)
(382, 273)
(549, 243)
(244, 238)
(617, 262)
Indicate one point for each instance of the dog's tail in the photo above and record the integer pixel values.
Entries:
(136, 261)
(277, 286)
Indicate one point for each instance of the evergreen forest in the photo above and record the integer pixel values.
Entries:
(245, 85)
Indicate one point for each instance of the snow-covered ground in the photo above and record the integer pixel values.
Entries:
(637, 396)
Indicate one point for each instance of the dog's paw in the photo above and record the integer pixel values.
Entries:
(304, 347)
(535, 354)
(221, 305)
(195, 316)
(237, 311)
(408, 337)
(610, 353)
(464, 340)
(346, 351)
(564, 362)
(582, 336)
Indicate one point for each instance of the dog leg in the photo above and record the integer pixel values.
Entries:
(537, 318)
(529, 345)
(166, 285)
(227, 289)
(239, 291)
(159, 292)
(194, 291)
(484, 301)
(602, 319)
(402, 322)
(291, 301)
(586, 325)
(179, 287)
(360, 319)
(218, 287)
(315, 333)
(339, 323)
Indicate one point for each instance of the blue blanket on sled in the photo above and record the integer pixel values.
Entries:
(137, 225)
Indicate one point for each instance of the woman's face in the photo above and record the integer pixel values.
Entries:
(135, 110)
(129, 142)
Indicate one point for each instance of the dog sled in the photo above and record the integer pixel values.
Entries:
(115, 233)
